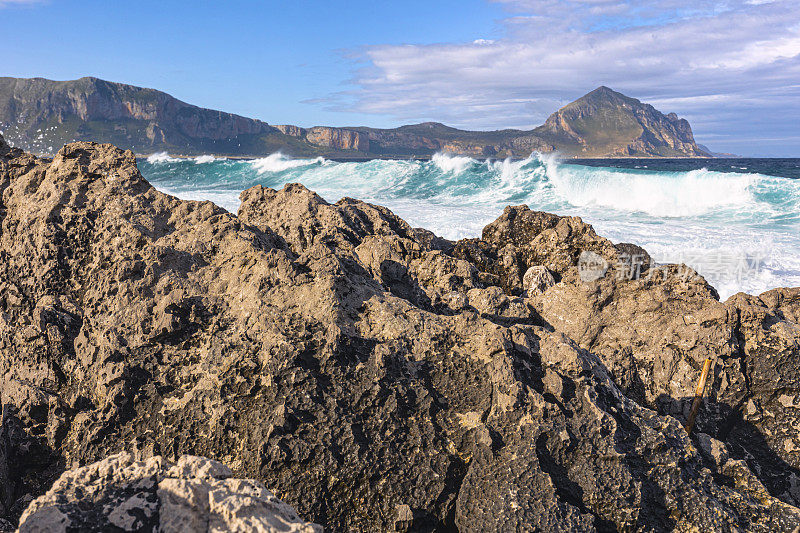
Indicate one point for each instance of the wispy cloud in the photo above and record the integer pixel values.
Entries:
(702, 59)
(8, 3)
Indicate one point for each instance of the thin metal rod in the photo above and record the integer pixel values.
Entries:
(698, 395)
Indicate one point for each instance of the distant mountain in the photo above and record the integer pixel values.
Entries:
(41, 115)
(718, 154)
(607, 123)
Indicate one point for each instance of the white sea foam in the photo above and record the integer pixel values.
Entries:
(731, 257)
(713, 221)
(162, 157)
(206, 158)
(278, 162)
(661, 194)
(223, 198)
(454, 164)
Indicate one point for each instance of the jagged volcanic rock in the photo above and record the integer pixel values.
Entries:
(374, 376)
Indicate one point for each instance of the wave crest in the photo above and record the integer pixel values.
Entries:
(660, 194)
(161, 157)
(278, 162)
(454, 164)
(206, 158)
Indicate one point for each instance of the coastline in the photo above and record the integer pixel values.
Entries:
(358, 159)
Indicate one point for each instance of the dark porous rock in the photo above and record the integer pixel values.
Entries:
(545, 239)
(635, 257)
(491, 269)
(521, 239)
(192, 494)
(654, 334)
(375, 379)
(5, 472)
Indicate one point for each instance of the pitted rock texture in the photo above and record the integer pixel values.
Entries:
(536, 280)
(375, 376)
(192, 494)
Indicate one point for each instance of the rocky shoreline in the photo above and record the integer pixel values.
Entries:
(371, 374)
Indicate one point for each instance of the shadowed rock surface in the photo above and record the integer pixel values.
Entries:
(375, 376)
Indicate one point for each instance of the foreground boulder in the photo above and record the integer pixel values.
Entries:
(192, 494)
(375, 376)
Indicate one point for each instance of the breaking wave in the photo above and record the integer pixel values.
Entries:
(701, 217)
(453, 164)
(278, 162)
(205, 158)
(161, 157)
(661, 194)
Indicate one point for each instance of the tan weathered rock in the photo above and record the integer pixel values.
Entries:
(288, 129)
(520, 239)
(193, 494)
(372, 374)
(339, 138)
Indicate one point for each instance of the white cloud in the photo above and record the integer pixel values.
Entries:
(699, 58)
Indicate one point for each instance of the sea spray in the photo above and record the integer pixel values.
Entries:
(162, 157)
(660, 194)
(452, 164)
(206, 158)
(739, 229)
(278, 162)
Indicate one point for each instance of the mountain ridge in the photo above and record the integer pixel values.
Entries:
(40, 115)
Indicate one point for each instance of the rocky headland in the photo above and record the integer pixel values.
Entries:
(370, 374)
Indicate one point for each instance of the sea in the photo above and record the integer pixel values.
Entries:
(735, 221)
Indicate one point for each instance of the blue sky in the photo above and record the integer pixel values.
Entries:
(732, 67)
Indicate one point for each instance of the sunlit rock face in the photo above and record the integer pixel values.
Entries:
(374, 376)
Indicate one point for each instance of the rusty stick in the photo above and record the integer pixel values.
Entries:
(698, 395)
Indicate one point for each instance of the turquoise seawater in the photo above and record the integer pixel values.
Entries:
(737, 222)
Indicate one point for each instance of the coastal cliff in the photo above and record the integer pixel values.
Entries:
(375, 376)
(131, 116)
(337, 138)
(42, 115)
